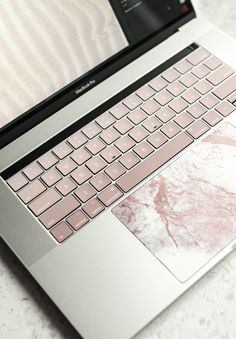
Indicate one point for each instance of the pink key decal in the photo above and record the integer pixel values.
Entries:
(91, 130)
(137, 116)
(45, 201)
(129, 160)
(51, 177)
(66, 186)
(188, 80)
(93, 208)
(32, 171)
(105, 120)
(165, 114)
(132, 101)
(225, 108)
(201, 71)
(203, 87)
(61, 232)
(220, 75)
(81, 175)
(17, 181)
(95, 146)
(100, 181)
(212, 63)
(170, 75)
(184, 120)
(150, 106)
(77, 139)
(62, 150)
(145, 92)
(47, 160)
(224, 90)
(183, 66)
(158, 83)
(96, 164)
(123, 126)
(81, 156)
(66, 166)
(110, 195)
(59, 211)
(196, 110)
(125, 143)
(157, 139)
(31, 191)
(151, 124)
(176, 88)
(77, 220)
(110, 135)
(85, 192)
(171, 129)
(143, 150)
(119, 110)
(197, 129)
(178, 105)
(209, 101)
(191, 96)
(198, 56)
(163, 98)
(115, 171)
(138, 133)
(110, 154)
(212, 118)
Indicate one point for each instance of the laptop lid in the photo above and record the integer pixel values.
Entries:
(54, 52)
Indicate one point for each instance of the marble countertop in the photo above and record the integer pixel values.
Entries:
(206, 311)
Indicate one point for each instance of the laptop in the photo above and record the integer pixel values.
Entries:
(118, 158)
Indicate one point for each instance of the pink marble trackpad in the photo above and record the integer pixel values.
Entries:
(187, 213)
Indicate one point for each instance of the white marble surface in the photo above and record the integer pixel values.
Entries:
(207, 311)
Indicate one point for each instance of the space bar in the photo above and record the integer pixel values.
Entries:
(153, 162)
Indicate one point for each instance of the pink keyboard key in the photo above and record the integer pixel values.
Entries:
(178, 105)
(171, 129)
(198, 56)
(91, 130)
(196, 110)
(132, 101)
(129, 160)
(115, 171)
(170, 75)
(232, 98)
(150, 107)
(61, 232)
(123, 125)
(119, 110)
(191, 96)
(158, 83)
(212, 118)
(220, 75)
(110, 154)
(152, 124)
(188, 80)
(225, 108)
(201, 71)
(165, 114)
(143, 150)
(51, 177)
(17, 181)
(154, 162)
(31, 191)
(184, 120)
(59, 211)
(176, 89)
(183, 66)
(80, 156)
(100, 181)
(209, 101)
(137, 116)
(224, 90)
(66, 186)
(110, 135)
(47, 160)
(125, 143)
(203, 87)
(81, 175)
(77, 220)
(110, 195)
(105, 120)
(66, 166)
(85, 192)
(32, 171)
(197, 129)
(212, 63)
(45, 201)
(138, 133)
(163, 98)
(157, 139)
(62, 150)
(77, 139)
(145, 92)
(96, 164)
(95, 146)
(93, 208)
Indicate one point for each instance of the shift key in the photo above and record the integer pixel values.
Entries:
(45, 201)
(59, 211)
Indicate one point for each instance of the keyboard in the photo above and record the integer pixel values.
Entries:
(93, 168)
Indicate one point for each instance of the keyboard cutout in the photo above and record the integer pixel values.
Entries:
(186, 214)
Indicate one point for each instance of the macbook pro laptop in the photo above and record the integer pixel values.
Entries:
(118, 154)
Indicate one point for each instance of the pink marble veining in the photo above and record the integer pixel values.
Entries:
(187, 213)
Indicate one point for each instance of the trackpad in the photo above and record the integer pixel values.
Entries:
(187, 213)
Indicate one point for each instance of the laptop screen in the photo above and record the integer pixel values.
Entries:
(46, 45)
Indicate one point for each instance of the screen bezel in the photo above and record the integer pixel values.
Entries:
(67, 94)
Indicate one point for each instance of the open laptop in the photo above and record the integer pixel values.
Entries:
(118, 191)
